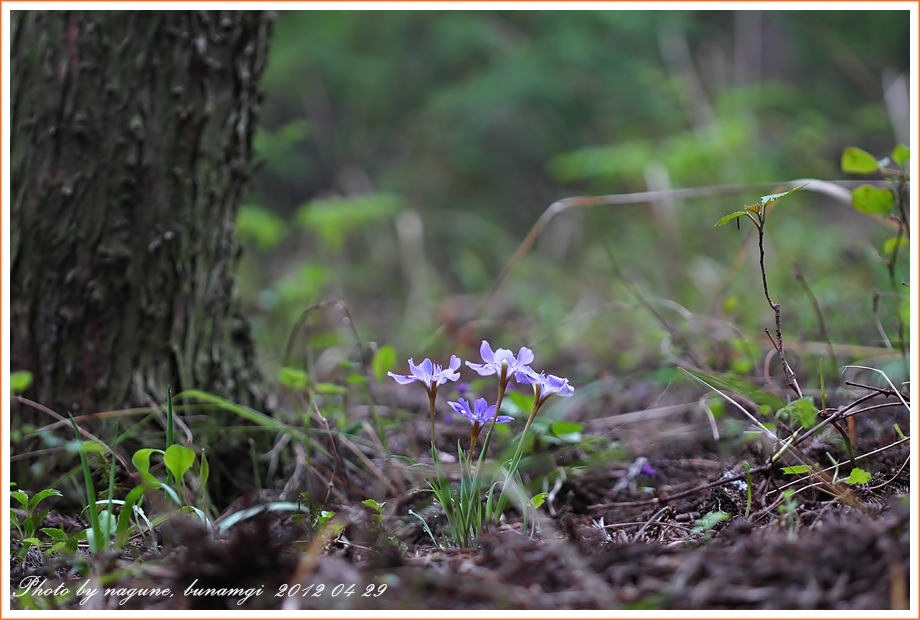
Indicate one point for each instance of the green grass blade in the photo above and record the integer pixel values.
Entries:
(98, 543)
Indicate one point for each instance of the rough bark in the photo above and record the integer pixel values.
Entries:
(131, 136)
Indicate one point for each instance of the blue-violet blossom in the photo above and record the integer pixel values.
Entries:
(480, 414)
(544, 385)
(501, 362)
(429, 374)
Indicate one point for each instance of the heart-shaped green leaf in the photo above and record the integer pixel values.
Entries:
(873, 200)
(900, 154)
(857, 161)
(20, 381)
(178, 460)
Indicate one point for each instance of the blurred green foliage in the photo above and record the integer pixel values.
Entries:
(407, 154)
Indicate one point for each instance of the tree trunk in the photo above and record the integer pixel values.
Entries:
(131, 136)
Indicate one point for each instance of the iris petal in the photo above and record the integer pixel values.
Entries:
(485, 350)
(525, 356)
(402, 379)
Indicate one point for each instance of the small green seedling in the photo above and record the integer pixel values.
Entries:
(537, 500)
(858, 476)
(801, 412)
(29, 526)
(60, 541)
(708, 522)
(788, 512)
(376, 511)
(322, 518)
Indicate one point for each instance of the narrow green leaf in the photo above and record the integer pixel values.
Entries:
(771, 198)
(384, 360)
(873, 200)
(248, 513)
(204, 471)
(20, 381)
(169, 418)
(900, 154)
(256, 417)
(797, 469)
(858, 476)
(728, 218)
(127, 510)
(43, 495)
(857, 161)
(198, 512)
(85, 447)
(22, 498)
(95, 547)
(178, 460)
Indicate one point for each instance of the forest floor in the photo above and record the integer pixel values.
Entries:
(663, 521)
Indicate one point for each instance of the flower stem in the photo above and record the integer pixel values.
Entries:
(518, 453)
(502, 386)
(432, 395)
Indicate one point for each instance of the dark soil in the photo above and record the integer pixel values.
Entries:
(622, 528)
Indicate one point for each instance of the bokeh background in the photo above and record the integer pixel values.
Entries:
(407, 154)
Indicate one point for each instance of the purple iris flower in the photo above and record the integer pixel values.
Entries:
(496, 362)
(481, 414)
(429, 374)
(544, 385)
